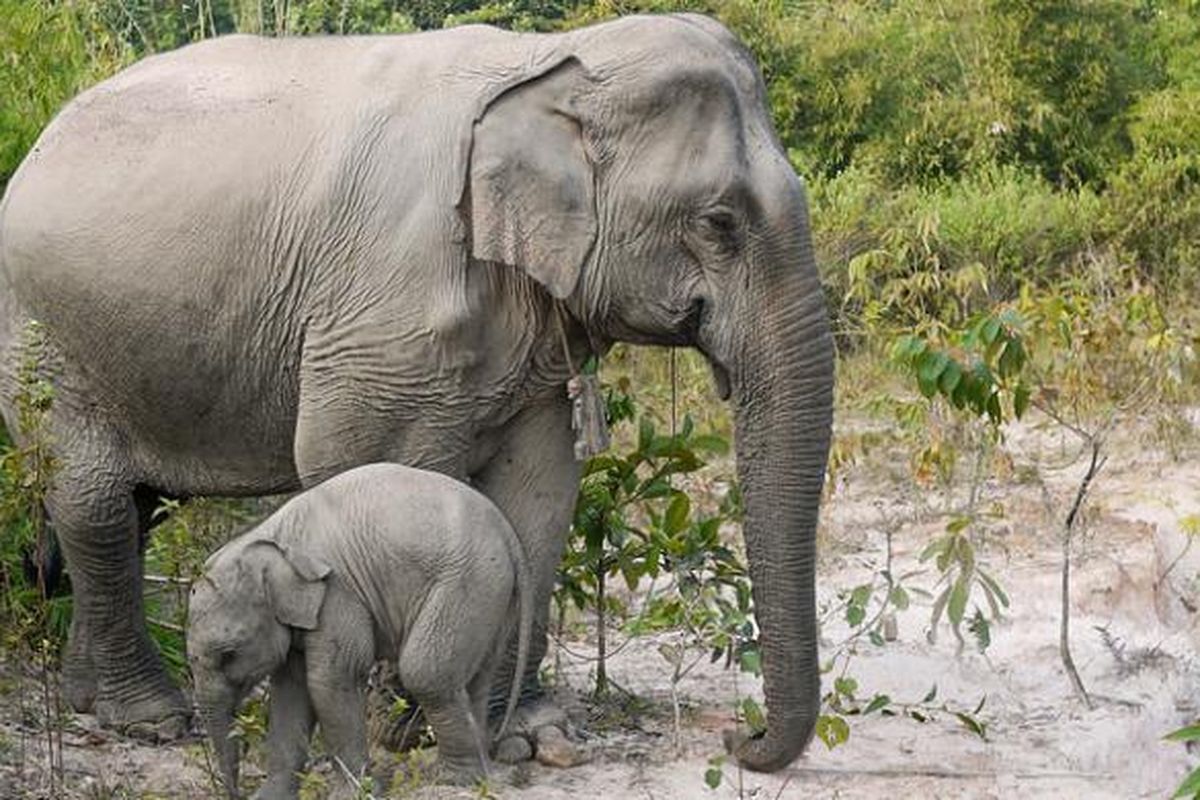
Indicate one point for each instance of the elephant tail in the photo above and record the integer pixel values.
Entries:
(524, 626)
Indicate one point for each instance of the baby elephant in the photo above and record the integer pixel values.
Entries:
(381, 561)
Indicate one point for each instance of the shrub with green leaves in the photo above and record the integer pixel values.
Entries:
(632, 521)
(52, 50)
(29, 616)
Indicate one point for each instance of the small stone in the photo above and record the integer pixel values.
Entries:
(554, 749)
(891, 630)
(513, 750)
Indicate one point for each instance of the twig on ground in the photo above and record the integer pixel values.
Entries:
(170, 626)
(1064, 632)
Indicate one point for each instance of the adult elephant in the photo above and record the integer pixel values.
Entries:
(259, 262)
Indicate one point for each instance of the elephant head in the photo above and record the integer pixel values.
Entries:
(636, 176)
(241, 613)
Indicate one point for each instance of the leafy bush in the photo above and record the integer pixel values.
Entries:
(632, 521)
(51, 52)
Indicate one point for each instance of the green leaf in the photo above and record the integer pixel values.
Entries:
(645, 434)
(994, 411)
(752, 713)
(994, 587)
(929, 370)
(855, 615)
(1190, 786)
(907, 348)
(677, 514)
(958, 523)
(957, 605)
(1190, 733)
(712, 777)
(935, 614)
(950, 378)
(973, 725)
(659, 487)
(877, 702)
(846, 687)
(1021, 397)
(899, 598)
(934, 548)
(989, 331)
(832, 730)
(947, 555)
(981, 629)
(1012, 359)
(861, 594)
(632, 573)
(711, 443)
(751, 661)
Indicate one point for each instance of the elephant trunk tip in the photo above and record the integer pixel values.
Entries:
(773, 750)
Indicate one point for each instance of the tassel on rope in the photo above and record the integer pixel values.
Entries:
(587, 405)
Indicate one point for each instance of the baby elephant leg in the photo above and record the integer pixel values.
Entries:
(291, 728)
(461, 739)
(338, 663)
(438, 660)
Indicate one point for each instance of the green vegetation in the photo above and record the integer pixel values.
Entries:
(633, 520)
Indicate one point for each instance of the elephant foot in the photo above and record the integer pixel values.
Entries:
(163, 716)
(277, 787)
(468, 772)
(513, 749)
(79, 683)
(539, 729)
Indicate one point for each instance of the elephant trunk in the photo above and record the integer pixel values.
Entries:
(783, 407)
(217, 708)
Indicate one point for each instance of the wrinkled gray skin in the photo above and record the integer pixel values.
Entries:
(260, 262)
(382, 560)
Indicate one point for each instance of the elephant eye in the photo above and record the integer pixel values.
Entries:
(720, 228)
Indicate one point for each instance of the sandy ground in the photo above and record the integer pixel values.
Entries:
(1041, 740)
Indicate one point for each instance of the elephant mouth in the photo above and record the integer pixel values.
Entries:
(696, 323)
(720, 378)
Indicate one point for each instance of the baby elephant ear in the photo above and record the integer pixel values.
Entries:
(309, 567)
(295, 587)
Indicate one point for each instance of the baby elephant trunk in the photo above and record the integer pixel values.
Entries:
(218, 705)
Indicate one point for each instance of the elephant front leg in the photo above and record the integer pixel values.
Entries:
(534, 478)
(110, 659)
(339, 655)
(291, 727)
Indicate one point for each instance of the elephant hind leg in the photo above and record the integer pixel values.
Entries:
(109, 657)
(461, 736)
(439, 664)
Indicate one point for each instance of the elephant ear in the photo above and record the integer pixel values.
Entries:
(295, 586)
(531, 195)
